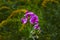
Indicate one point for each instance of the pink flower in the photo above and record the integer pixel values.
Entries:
(37, 27)
(33, 17)
(24, 20)
(29, 14)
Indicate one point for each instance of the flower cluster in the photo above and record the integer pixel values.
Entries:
(33, 19)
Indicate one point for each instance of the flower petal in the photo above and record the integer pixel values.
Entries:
(29, 14)
(37, 26)
(24, 20)
(34, 19)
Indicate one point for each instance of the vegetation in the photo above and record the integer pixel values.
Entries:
(11, 12)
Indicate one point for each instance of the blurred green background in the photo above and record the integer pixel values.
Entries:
(48, 12)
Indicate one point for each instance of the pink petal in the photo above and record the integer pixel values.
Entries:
(29, 14)
(24, 20)
(37, 26)
(34, 19)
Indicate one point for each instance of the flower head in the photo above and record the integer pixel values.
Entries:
(33, 17)
(24, 20)
(37, 26)
(29, 14)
